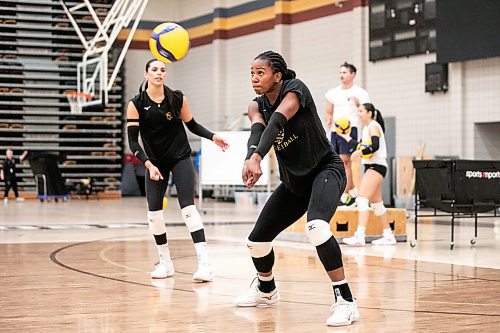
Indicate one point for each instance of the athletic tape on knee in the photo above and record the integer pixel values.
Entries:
(192, 218)
(318, 231)
(362, 203)
(378, 208)
(156, 222)
(259, 249)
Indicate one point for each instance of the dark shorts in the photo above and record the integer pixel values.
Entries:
(340, 146)
(377, 167)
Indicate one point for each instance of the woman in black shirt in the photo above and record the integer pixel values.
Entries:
(158, 114)
(313, 178)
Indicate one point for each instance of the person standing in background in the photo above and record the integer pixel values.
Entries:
(373, 149)
(8, 174)
(343, 101)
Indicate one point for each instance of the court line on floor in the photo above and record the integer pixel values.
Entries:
(53, 257)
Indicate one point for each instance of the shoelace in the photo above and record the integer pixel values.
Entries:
(255, 278)
(156, 267)
(344, 306)
(162, 263)
(257, 290)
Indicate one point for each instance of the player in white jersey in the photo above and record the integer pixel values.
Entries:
(373, 149)
(343, 102)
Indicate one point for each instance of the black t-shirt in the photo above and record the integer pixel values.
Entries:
(302, 146)
(9, 169)
(162, 131)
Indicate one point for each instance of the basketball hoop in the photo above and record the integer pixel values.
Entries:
(76, 100)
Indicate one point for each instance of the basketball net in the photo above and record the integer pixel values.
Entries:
(76, 100)
(119, 16)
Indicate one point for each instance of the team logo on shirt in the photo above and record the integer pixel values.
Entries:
(280, 137)
(281, 143)
(169, 116)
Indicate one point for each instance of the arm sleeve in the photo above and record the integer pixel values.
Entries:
(275, 125)
(255, 133)
(133, 142)
(353, 144)
(199, 130)
(373, 147)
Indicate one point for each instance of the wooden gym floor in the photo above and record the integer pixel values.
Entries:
(83, 266)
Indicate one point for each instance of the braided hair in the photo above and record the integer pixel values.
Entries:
(375, 114)
(169, 94)
(277, 64)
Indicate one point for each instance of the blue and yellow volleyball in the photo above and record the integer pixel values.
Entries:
(365, 144)
(342, 125)
(169, 42)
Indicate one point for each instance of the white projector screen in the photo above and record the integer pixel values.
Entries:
(224, 168)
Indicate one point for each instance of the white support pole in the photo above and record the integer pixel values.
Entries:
(126, 45)
(73, 22)
(119, 16)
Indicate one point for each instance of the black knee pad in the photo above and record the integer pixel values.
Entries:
(198, 236)
(330, 255)
(264, 264)
(161, 239)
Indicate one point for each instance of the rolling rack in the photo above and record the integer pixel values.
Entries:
(48, 180)
(460, 188)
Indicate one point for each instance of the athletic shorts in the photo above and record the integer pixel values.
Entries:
(340, 146)
(377, 167)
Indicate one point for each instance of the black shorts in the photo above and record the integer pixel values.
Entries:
(340, 146)
(377, 167)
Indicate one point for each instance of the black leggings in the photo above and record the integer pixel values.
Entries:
(284, 207)
(10, 183)
(183, 172)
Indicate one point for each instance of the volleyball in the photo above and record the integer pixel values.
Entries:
(365, 144)
(169, 42)
(342, 126)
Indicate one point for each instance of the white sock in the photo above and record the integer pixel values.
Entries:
(388, 233)
(343, 197)
(201, 252)
(353, 192)
(164, 252)
(361, 230)
(338, 283)
(266, 278)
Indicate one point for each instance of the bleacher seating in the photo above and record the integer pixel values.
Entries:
(39, 52)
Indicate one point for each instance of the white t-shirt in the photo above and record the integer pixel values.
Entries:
(343, 106)
(380, 156)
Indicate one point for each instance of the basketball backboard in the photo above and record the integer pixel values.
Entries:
(93, 74)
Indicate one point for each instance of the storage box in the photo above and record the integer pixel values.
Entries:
(345, 222)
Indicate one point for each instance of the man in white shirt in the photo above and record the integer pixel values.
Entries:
(343, 102)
